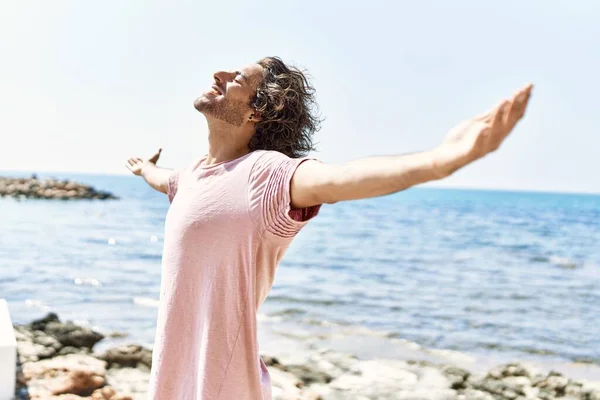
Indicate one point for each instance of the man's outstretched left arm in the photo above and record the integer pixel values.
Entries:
(317, 183)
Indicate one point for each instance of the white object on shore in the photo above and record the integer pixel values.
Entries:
(8, 354)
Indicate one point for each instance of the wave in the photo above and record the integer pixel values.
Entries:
(321, 302)
(146, 302)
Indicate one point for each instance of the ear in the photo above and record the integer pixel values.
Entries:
(255, 117)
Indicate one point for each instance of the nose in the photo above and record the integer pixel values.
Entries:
(224, 76)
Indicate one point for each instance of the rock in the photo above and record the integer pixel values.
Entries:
(130, 381)
(49, 189)
(308, 375)
(593, 395)
(517, 383)
(492, 386)
(128, 356)
(472, 394)
(35, 345)
(555, 382)
(67, 333)
(74, 374)
(456, 381)
(108, 393)
(510, 394)
(270, 361)
(531, 392)
(81, 382)
(574, 389)
(73, 350)
(284, 384)
(117, 335)
(451, 370)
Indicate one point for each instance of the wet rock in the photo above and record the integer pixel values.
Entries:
(67, 333)
(128, 356)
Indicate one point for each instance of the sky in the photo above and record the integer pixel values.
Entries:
(85, 85)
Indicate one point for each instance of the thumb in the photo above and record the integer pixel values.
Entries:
(155, 157)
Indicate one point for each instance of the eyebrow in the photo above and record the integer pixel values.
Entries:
(242, 75)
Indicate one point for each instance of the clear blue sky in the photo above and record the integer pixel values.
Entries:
(84, 85)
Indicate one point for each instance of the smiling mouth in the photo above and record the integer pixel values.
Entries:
(215, 91)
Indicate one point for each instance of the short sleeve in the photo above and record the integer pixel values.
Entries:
(270, 200)
(172, 185)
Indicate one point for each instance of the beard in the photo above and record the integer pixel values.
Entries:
(226, 110)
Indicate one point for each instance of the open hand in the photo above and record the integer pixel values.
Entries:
(476, 137)
(135, 165)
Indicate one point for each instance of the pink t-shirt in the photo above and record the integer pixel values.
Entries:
(226, 230)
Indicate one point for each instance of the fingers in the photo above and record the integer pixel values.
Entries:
(486, 116)
(157, 154)
(519, 102)
(501, 113)
(522, 99)
(155, 157)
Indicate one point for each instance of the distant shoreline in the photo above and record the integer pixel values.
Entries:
(49, 189)
(425, 186)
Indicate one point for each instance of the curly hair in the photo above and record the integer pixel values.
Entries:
(285, 101)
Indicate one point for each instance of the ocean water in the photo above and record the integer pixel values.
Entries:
(482, 272)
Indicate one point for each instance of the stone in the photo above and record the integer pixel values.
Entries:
(129, 381)
(128, 356)
(71, 374)
(80, 382)
(573, 390)
(49, 189)
(308, 375)
(531, 392)
(510, 394)
(68, 333)
(284, 383)
(555, 383)
(593, 395)
(456, 381)
(270, 361)
(452, 370)
(517, 383)
(472, 394)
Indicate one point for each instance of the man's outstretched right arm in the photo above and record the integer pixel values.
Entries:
(156, 177)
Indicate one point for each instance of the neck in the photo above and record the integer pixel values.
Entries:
(226, 142)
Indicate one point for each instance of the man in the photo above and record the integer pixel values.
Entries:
(235, 210)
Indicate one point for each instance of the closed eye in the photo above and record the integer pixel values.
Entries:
(241, 77)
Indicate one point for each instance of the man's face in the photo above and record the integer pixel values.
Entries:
(229, 98)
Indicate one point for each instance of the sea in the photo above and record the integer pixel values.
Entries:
(490, 274)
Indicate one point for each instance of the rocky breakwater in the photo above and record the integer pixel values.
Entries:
(49, 189)
(56, 362)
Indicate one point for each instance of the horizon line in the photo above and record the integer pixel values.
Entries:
(422, 186)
